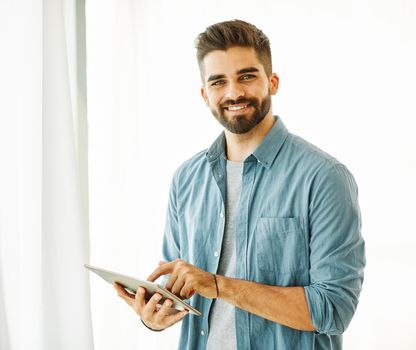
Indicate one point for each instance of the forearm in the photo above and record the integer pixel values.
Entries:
(284, 305)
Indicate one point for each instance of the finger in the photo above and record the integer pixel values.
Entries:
(120, 288)
(171, 320)
(164, 311)
(178, 285)
(161, 270)
(187, 291)
(123, 294)
(150, 307)
(162, 262)
(171, 281)
(140, 298)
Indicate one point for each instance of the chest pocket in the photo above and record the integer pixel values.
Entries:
(280, 245)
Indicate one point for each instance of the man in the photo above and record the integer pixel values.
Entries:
(263, 227)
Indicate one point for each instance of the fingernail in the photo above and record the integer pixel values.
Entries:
(168, 303)
(158, 297)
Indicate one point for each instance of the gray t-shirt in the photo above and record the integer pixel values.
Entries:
(222, 334)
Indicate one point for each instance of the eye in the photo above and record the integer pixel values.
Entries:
(218, 83)
(247, 77)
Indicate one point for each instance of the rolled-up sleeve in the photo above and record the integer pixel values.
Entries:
(337, 252)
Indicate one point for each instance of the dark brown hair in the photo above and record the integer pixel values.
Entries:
(222, 36)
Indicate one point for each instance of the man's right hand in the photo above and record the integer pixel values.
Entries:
(153, 315)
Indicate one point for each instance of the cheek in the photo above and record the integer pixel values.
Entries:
(264, 92)
(265, 89)
(213, 100)
(208, 100)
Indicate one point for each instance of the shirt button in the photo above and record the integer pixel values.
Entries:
(222, 215)
(216, 254)
(202, 333)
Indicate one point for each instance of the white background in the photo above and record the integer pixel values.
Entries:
(347, 84)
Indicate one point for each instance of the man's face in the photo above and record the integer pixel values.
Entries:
(237, 89)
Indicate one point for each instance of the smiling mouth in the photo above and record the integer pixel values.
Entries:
(235, 108)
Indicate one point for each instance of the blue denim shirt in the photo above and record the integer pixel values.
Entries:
(298, 224)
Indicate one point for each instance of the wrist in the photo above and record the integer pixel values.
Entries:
(154, 330)
(217, 293)
(223, 286)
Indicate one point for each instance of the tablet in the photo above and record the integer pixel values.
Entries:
(131, 284)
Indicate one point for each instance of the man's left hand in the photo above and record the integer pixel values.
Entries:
(185, 279)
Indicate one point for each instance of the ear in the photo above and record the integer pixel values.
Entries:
(274, 83)
(204, 95)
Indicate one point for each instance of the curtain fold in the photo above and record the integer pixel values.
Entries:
(44, 236)
(67, 322)
(4, 336)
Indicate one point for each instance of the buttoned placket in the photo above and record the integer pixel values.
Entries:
(218, 171)
(249, 171)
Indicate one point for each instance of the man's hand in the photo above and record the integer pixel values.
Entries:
(153, 315)
(185, 279)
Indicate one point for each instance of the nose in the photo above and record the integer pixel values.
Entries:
(234, 91)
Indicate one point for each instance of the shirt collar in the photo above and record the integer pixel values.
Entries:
(217, 148)
(266, 151)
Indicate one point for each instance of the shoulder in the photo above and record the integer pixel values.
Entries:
(318, 168)
(308, 152)
(312, 157)
(191, 166)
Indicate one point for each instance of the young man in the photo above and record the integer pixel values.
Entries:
(263, 227)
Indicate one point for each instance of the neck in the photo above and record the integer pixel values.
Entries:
(240, 146)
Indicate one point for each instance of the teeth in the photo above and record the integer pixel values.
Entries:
(236, 108)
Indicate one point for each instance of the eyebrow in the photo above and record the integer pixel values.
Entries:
(215, 77)
(241, 71)
(247, 70)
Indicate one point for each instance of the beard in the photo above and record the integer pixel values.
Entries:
(243, 123)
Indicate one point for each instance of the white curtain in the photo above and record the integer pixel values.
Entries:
(44, 290)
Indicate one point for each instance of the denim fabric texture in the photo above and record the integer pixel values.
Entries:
(298, 224)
